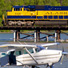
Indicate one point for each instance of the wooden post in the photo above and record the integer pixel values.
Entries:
(38, 35)
(18, 34)
(58, 34)
(47, 38)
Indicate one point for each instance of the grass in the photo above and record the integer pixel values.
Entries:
(66, 31)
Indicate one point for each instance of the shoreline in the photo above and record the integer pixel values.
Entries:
(33, 42)
(32, 31)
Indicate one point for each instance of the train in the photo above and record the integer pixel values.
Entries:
(36, 15)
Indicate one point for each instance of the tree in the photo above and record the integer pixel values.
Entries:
(52, 3)
(65, 3)
(26, 2)
(7, 4)
(21, 2)
(32, 2)
(36, 2)
(2, 7)
(2, 4)
(40, 2)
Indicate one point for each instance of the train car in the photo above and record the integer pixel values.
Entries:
(36, 15)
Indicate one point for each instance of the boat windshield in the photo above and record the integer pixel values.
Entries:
(39, 48)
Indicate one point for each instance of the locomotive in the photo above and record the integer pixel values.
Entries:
(36, 15)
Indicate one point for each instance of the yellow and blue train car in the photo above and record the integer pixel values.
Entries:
(30, 15)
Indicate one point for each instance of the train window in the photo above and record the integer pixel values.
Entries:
(17, 9)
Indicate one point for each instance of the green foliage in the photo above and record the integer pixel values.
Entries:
(52, 2)
(32, 2)
(65, 2)
(7, 4)
(21, 2)
(40, 2)
(0, 13)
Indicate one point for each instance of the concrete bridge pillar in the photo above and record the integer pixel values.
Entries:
(55, 36)
(36, 35)
(16, 35)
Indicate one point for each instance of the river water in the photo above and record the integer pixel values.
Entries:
(9, 37)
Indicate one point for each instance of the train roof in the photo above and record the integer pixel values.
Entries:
(44, 7)
(29, 6)
(17, 6)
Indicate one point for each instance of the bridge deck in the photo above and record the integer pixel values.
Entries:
(34, 27)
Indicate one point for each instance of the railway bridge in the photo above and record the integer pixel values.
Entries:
(37, 18)
(37, 31)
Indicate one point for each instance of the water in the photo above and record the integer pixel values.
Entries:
(9, 37)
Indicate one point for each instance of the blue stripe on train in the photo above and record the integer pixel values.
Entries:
(50, 17)
(45, 17)
(21, 17)
(65, 17)
(55, 17)
(38, 17)
(60, 17)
